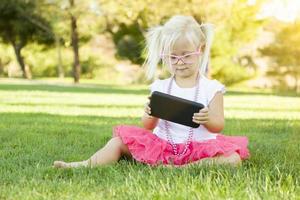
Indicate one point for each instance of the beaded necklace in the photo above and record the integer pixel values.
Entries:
(167, 125)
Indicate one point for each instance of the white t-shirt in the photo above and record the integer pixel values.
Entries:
(207, 90)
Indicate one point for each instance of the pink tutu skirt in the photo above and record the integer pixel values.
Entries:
(148, 148)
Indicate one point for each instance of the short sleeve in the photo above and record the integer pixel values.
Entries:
(213, 87)
(155, 86)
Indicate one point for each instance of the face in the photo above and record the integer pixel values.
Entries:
(188, 66)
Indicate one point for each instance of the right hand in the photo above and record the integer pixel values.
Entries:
(147, 108)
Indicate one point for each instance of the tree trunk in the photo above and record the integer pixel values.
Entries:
(60, 69)
(297, 88)
(74, 39)
(25, 70)
(1, 67)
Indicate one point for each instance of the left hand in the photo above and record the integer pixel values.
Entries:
(202, 116)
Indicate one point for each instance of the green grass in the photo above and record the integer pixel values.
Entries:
(42, 122)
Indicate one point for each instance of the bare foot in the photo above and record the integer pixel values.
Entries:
(60, 164)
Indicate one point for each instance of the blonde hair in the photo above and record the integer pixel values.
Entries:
(161, 39)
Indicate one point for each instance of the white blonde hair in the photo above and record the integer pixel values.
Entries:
(161, 39)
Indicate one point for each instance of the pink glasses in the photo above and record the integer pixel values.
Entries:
(189, 58)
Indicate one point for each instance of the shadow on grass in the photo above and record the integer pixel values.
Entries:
(134, 106)
(73, 89)
(114, 89)
(123, 106)
(241, 93)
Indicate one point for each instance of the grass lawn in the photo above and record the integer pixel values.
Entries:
(41, 122)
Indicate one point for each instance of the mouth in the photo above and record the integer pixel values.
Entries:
(181, 69)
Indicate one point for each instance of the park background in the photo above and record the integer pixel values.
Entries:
(98, 40)
(70, 70)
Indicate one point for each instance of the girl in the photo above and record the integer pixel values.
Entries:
(183, 47)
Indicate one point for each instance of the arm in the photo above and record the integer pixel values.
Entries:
(149, 122)
(212, 117)
(216, 120)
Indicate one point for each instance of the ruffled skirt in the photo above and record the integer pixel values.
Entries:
(148, 148)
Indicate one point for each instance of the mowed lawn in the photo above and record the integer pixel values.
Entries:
(40, 123)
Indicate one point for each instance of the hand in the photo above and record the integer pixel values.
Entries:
(147, 108)
(202, 116)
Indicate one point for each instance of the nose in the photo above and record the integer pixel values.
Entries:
(180, 62)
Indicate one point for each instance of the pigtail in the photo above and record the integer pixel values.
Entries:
(153, 50)
(208, 30)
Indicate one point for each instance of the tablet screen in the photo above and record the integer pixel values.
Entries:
(174, 109)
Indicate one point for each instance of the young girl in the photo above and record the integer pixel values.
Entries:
(183, 47)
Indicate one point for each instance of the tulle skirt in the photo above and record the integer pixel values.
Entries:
(148, 148)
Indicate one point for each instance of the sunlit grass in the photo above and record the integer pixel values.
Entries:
(96, 103)
(42, 122)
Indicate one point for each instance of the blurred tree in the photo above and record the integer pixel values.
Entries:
(285, 51)
(128, 20)
(73, 10)
(50, 11)
(74, 42)
(236, 27)
(19, 25)
(1, 67)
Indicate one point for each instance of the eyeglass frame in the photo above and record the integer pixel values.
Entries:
(198, 52)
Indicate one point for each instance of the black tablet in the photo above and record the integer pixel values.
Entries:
(174, 109)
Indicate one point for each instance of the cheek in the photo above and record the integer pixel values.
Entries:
(195, 67)
(198, 60)
(170, 68)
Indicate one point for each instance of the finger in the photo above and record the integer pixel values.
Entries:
(195, 121)
(200, 122)
(200, 115)
(147, 105)
(201, 119)
(204, 110)
(148, 111)
(150, 116)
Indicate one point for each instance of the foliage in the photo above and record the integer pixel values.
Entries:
(236, 26)
(285, 51)
(128, 20)
(20, 25)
